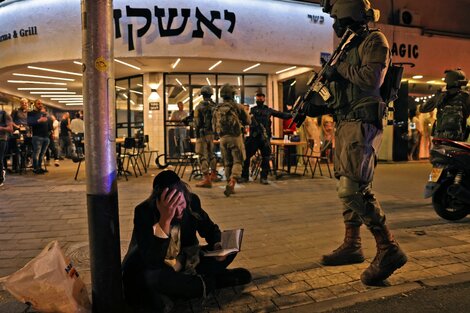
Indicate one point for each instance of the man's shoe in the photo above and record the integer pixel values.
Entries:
(389, 258)
(215, 177)
(56, 163)
(206, 182)
(230, 187)
(350, 252)
(264, 181)
(232, 277)
(2, 177)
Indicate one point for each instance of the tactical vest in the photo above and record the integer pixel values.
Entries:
(346, 100)
(451, 119)
(262, 119)
(204, 121)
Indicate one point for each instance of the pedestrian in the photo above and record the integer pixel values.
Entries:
(354, 83)
(164, 259)
(228, 119)
(180, 130)
(260, 136)
(205, 137)
(6, 128)
(453, 107)
(39, 123)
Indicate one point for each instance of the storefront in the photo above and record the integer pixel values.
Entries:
(165, 52)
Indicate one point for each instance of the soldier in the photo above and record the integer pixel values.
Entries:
(260, 136)
(354, 82)
(205, 137)
(453, 107)
(228, 119)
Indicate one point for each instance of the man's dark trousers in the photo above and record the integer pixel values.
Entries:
(253, 144)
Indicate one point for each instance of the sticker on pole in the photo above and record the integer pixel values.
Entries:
(101, 64)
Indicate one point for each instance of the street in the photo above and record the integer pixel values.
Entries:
(288, 225)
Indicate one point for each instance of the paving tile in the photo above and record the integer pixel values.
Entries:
(319, 282)
(291, 288)
(291, 301)
(263, 307)
(296, 276)
(343, 290)
(321, 294)
(339, 278)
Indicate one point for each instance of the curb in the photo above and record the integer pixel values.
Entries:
(375, 294)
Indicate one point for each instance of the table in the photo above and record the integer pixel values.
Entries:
(280, 143)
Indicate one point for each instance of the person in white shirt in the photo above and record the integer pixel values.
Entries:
(180, 130)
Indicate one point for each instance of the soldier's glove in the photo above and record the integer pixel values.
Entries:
(331, 74)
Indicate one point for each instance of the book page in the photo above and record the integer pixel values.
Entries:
(231, 243)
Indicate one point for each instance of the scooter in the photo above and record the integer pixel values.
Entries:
(449, 180)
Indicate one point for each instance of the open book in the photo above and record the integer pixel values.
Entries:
(231, 243)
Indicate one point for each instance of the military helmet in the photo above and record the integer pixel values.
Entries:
(357, 10)
(206, 91)
(227, 91)
(455, 78)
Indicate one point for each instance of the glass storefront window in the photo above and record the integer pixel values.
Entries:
(185, 89)
(129, 107)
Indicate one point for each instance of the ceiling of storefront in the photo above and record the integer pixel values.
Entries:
(146, 65)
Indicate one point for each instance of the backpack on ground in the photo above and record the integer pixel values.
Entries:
(226, 120)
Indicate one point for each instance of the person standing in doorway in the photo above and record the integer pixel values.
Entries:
(180, 130)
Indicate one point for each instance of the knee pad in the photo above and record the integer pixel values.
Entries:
(347, 187)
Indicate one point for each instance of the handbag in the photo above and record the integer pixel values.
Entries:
(49, 283)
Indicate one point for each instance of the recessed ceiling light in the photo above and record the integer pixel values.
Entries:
(67, 99)
(417, 77)
(286, 69)
(251, 67)
(53, 92)
(54, 71)
(127, 64)
(28, 88)
(46, 95)
(178, 81)
(35, 82)
(176, 63)
(47, 77)
(78, 103)
(215, 65)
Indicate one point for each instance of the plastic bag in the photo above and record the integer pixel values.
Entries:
(49, 283)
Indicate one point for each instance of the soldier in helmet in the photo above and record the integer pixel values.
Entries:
(228, 119)
(205, 137)
(354, 82)
(453, 107)
(260, 135)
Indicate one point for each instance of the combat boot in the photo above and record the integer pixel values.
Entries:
(214, 176)
(389, 258)
(350, 252)
(230, 188)
(206, 182)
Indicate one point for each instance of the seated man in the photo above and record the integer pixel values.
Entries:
(164, 257)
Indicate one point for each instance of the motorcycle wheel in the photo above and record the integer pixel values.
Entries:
(443, 204)
(160, 162)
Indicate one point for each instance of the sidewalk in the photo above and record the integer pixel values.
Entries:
(288, 225)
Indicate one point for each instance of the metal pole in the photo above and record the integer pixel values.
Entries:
(100, 155)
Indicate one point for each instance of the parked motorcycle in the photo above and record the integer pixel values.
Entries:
(449, 180)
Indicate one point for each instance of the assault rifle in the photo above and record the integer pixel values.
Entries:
(317, 82)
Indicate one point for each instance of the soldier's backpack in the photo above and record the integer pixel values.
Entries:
(207, 112)
(226, 120)
(450, 114)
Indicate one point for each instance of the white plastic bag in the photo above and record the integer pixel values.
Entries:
(49, 283)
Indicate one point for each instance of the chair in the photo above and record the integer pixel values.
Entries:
(131, 154)
(189, 158)
(148, 151)
(309, 156)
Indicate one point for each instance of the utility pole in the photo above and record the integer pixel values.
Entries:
(100, 155)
